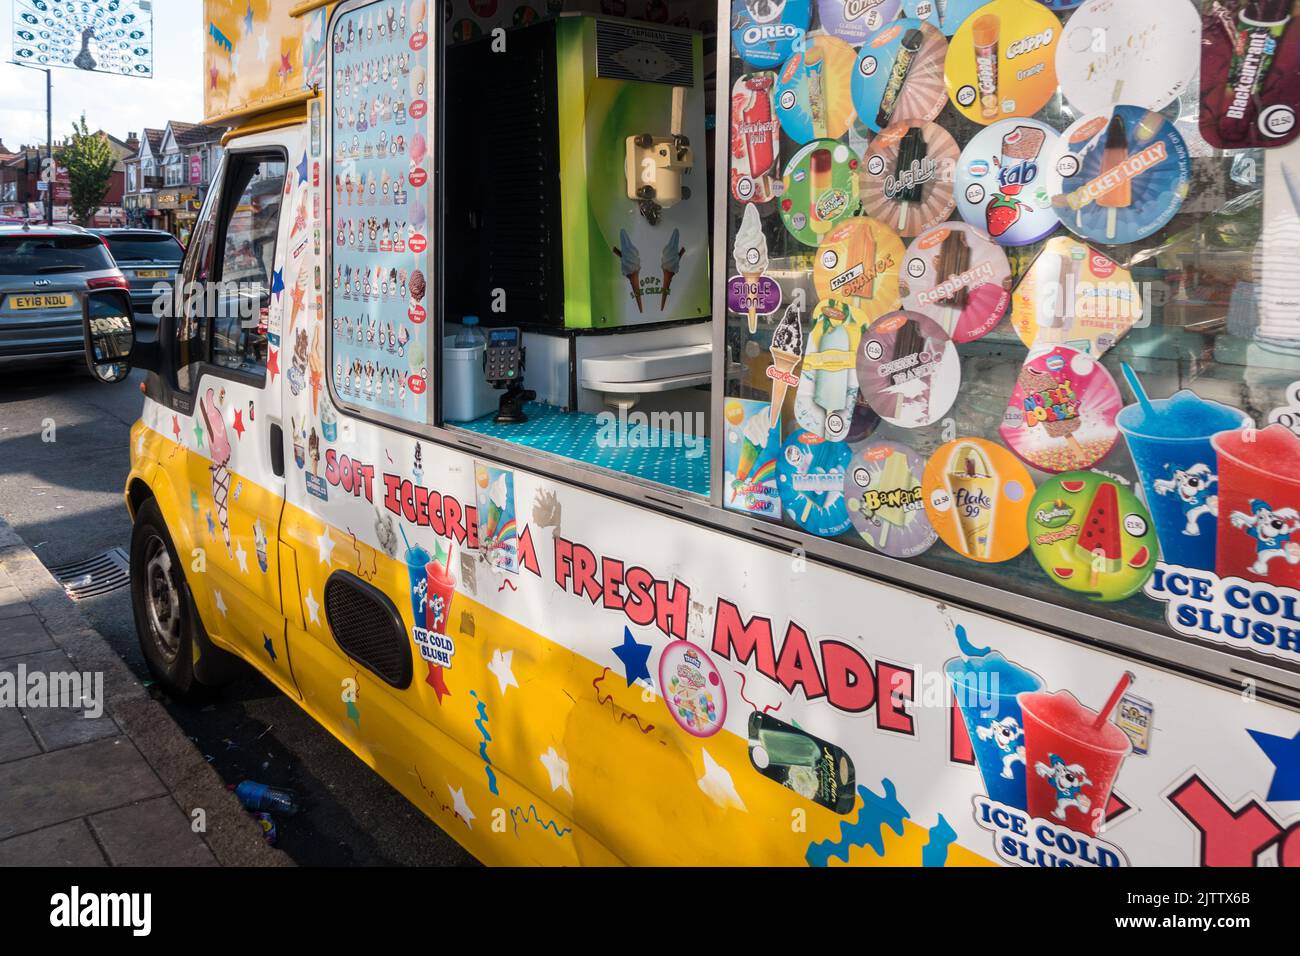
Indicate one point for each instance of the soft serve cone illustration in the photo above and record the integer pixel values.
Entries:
(787, 353)
(973, 484)
(753, 441)
(670, 260)
(750, 253)
(219, 445)
(630, 264)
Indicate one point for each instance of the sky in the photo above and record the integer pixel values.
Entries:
(117, 104)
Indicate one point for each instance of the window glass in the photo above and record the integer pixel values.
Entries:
(144, 247)
(37, 255)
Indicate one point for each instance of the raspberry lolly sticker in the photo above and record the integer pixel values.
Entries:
(959, 277)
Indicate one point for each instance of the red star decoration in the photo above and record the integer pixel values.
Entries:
(213, 75)
(286, 68)
(273, 363)
(176, 427)
(239, 423)
(437, 681)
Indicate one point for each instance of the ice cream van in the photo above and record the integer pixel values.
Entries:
(760, 434)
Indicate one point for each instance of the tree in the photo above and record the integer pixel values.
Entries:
(89, 159)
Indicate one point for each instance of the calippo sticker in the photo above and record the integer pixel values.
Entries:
(1250, 73)
(882, 487)
(692, 689)
(810, 477)
(947, 15)
(1002, 61)
(813, 98)
(977, 496)
(828, 385)
(907, 177)
(820, 189)
(1119, 178)
(908, 369)
(1061, 415)
(754, 137)
(763, 33)
(761, 292)
(899, 75)
(956, 275)
(858, 261)
(1001, 182)
(854, 20)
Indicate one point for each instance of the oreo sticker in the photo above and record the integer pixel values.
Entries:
(956, 275)
(1119, 178)
(813, 98)
(947, 16)
(854, 20)
(907, 176)
(820, 189)
(764, 33)
(882, 490)
(1002, 61)
(692, 689)
(810, 477)
(908, 369)
(1001, 182)
(899, 74)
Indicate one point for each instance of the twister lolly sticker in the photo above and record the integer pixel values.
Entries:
(749, 458)
(899, 75)
(1001, 182)
(854, 20)
(810, 476)
(977, 496)
(1091, 534)
(1076, 296)
(692, 689)
(908, 369)
(820, 189)
(1002, 61)
(812, 96)
(1061, 416)
(858, 261)
(1250, 73)
(907, 176)
(1121, 51)
(755, 138)
(947, 15)
(764, 34)
(828, 385)
(956, 275)
(882, 488)
(1121, 177)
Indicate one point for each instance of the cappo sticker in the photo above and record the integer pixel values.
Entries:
(1002, 61)
(692, 689)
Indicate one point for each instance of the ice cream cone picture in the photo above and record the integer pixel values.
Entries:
(787, 353)
(670, 261)
(977, 497)
(219, 446)
(974, 486)
(749, 458)
(630, 263)
(750, 254)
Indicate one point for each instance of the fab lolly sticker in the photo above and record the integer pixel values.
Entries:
(947, 15)
(755, 137)
(1002, 61)
(1091, 534)
(764, 34)
(977, 496)
(958, 276)
(813, 100)
(749, 457)
(810, 476)
(820, 189)
(899, 74)
(908, 369)
(1074, 295)
(882, 488)
(1250, 73)
(855, 20)
(1119, 178)
(828, 386)
(858, 262)
(692, 689)
(907, 176)
(1061, 416)
(1001, 184)
(1121, 51)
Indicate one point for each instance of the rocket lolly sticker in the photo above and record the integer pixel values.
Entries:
(692, 689)
(907, 177)
(977, 496)
(959, 277)
(946, 15)
(1120, 51)
(811, 767)
(820, 189)
(858, 261)
(855, 20)
(749, 459)
(755, 137)
(908, 369)
(899, 75)
(764, 33)
(810, 476)
(1001, 182)
(828, 387)
(813, 98)
(630, 264)
(882, 488)
(670, 261)
(1002, 61)
(750, 254)
(1119, 178)
(1250, 73)
(787, 353)
(1061, 416)
(1073, 295)
(1092, 535)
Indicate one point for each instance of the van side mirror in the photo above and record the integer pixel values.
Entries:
(108, 323)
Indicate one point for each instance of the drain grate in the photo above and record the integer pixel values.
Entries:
(94, 576)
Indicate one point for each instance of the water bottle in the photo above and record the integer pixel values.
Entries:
(260, 797)
(470, 336)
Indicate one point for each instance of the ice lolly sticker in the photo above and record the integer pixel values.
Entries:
(1002, 61)
(1091, 534)
(1061, 416)
(1121, 177)
(749, 461)
(787, 353)
(820, 189)
(1119, 51)
(858, 261)
(907, 176)
(750, 254)
(810, 476)
(882, 488)
(766, 32)
(956, 275)
(855, 20)
(947, 15)
(692, 689)
(1250, 73)
(828, 387)
(811, 767)
(755, 137)
(1074, 295)
(908, 369)
(1001, 182)
(497, 528)
(813, 100)
(899, 75)
(977, 496)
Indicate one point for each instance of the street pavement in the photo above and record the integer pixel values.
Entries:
(63, 463)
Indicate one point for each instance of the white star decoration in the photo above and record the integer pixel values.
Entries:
(220, 602)
(241, 556)
(234, 60)
(460, 806)
(500, 668)
(313, 606)
(717, 785)
(558, 768)
(325, 544)
(263, 44)
(139, 445)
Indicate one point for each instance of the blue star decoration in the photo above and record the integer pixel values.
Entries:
(212, 525)
(248, 20)
(270, 647)
(1285, 754)
(302, 169)
(354, 715)
(634, 657)
(277, 282)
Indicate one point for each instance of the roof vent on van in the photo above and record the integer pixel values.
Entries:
(367, 628)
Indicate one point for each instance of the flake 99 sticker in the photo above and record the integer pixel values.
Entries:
(1002, 61)
(692, 689)
(977, 496)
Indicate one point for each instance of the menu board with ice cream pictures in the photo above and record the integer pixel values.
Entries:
(379, 198)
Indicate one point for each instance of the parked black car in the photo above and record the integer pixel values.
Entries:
(148, 258)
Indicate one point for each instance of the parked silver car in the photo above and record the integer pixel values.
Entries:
(148, 258)
(45, 272)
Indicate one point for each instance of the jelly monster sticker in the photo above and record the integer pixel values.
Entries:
(908, 369)
(1061, 416)
(1250, 73)
(692, 689)
(959, 277)
(755, 137)
(882, 488)
(858, 261)
(810, 476)
(1002, 61)
(899, 75)
(907, 176)
(854, 20)
(813, 100)
(820, 189)
(1001, 182)
(977, 496)
(828, 386)
(766, 32)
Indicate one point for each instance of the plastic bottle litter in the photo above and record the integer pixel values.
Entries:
(470, 336)
(259, 797)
